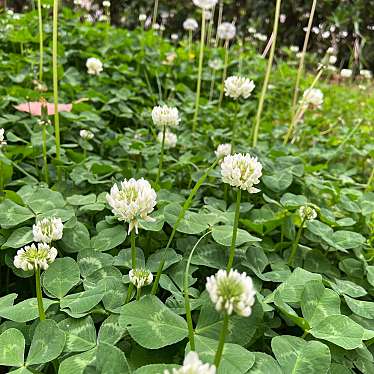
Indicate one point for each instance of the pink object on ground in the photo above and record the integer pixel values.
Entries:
(35, 108)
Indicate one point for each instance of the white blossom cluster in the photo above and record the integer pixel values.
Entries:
(48, 230)
(2, 138)
(236, 87)
(190, 24)
(140, 277)
(170, 139)
(106, 4)
(86, 134)
(226, 31)
(164, 116)
(223, 150)
(313, 97)
(231, 292)
(241, 171)
(30, 257)
(205, 4)
(307, 213)
(134, 200)
(94, 66)
(346, 73)
(193, 365)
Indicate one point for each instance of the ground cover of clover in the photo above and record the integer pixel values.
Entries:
(196, 205)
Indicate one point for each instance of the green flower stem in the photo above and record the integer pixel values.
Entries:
(41, 52)
(189, 43)
(236, 113)
(133, 249)
(191, 333)
(302, 57)
(213, 79)
(155, 12)
(200, 72)
(138, 293)
(224, 74)
(39, 294)
(220, 13)
(267, 75)
(129, 293)
(295, 244)
(217, 358)
(210, 27)
(234, 230)
(55, 78)
(370, 181)
(161, 157)
(44, 138)
(185, 207)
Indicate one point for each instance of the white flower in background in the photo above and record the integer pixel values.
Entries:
(332, 68)
(346, 73)
(134, 200)
(252, 30)
(223, 150)
(282, 18)
(313, 97)
(307, 213)
(330, 51)
(2, 138)
(208, 15)
(174, 37)
(315, 29)
(48, 230)
(86, 134)
(162, 27)
(156, 26)
(104, 18)
(169, 58)
(333, 59)
(30, 257)
(142, 17)
(77, 2)
(205, 4)
(106, 4)
(140, 277)
(261, 37)
(294, 48)
(231, 292)
(226, 31)
(190, 24)
(170, 139)
(215, 64)
(366, 73)
(165, 116)
(326, 34)
(193, 365)
(236, 86)
(241, 171)
(94, 66)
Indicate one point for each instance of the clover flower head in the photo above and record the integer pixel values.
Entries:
(142, 17)
(140, 277)
(48, 230)
(134, 200)
(231, 292)
(260, 37)
(226, 31)
(170, 139)
(208, 15)
(223, 150)
(313, 97)
(2, 138)
(106, 4)
(190, 24)
(307, 213)
(333, 59)
(193, 365)
(164, 116)
(294, 48)
(174, 37)
(32, 256)
(205, 4)
(367, 74)
(236, 87)
(346, 73)
(241, 171)
(215, 64)
(94, 66)
(86, 134)
(330, 51)
(251, 30)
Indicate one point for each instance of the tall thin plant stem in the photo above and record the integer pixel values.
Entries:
(200, 72)
(189, 43)
(221, 344)
(220, 12)
(44, 141)
(302, 58)
(41, 52)
(295, 244)
(210, 28)
(161, 156)
(267, 75)
(185, 207)
(55, 79)
(233, 132)
(155, 12)
(234, 230)
(39, 295)
(133, 264)
(224, 74)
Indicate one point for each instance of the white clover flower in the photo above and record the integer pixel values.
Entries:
(142, 17)
(223, 150)
(174, 37)
(261, 37)
(226, 31)
(48, 230)
(156, 26)
(333, 59)
(252, 30)
(236, 86)
(313, 97)
(2, 138)
(106, 4)
(94, 66)
(134, 200)
(366, 73)
(215, 64)
(205, 4)
(193, 365)
(170, 139)
(165, 116)
(140, 277)
(346, 73)
(330, 51)
(294, 48)
(30, 257)
(282, 18)
(241, 171)
(190, 24)
(307, 213)
(86, 134)
(77, 2)
(326, 34)
(208, 15)
(232, 292)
